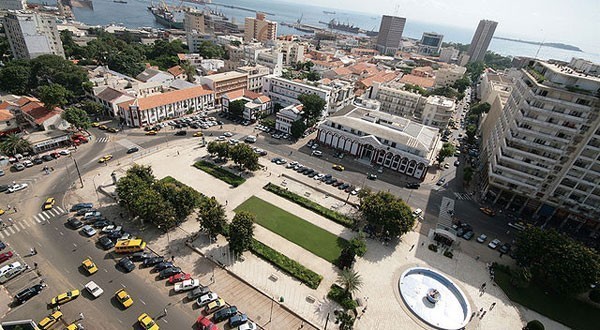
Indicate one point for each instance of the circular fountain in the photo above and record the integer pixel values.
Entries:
(434, 298)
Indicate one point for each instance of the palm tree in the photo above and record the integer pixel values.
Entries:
(14, 144)
(349, 280)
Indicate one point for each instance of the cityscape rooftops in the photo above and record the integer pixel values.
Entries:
(157, 100)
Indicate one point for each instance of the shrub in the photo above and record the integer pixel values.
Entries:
(595, 295)
(337, 294)
(292, 267)
(448, 254)
(220, 173)
(307, 203)
(433, 247)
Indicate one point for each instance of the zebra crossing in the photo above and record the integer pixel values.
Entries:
(103, 139)
(463, 196)
(22, 224)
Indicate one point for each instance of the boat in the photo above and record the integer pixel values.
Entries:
(119, 1)
(372, 33)
(328, 12)
(304, 29)
(172, 19)
(346, 27)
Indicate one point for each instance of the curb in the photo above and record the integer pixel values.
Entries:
(319, 189)
(197, 250)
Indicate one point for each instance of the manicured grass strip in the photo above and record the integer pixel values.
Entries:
(220, 173)
(571, 312)
(292, 267)
(303, 233)
(307, 203)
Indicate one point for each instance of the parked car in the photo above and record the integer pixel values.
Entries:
(74, 223)
(372, 176)
(187, 285)
(28, 293)
(140, 256)
(106, 243)
(80, 206)
(204, 323)
(126, 264)
(482, 238)
(207, 299)
(414, 185)
(505, 248)
(224, 314)
(494, 244)
(198, 292)
(88, 231)
(317, 153)
(238, 320)
(181, 133)
(163, 265)
(168, 272)
(248, 326)
(180, 277)
(468, 235)
(132, 150)
(152, 261)
(5, 256)
(17, 187)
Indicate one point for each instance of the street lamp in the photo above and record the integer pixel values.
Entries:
(77, 167)
(168, 239)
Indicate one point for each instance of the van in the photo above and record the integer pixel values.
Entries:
(130, 246)
(250, 139)
(14, 269)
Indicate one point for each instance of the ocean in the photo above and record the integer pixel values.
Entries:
(135, 14)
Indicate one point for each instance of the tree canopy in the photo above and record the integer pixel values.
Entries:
(77, 117)
(241, 233)
(243, 155)
(237, 108)
(448, 149)
(14, 144)
(557, 262)
(386, 214)
(313, 106)
(208, 49)
(53, 95)
(298, 128)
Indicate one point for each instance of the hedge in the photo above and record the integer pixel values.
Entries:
(220, 173)
(292, 267)
(313, 206)
(337, 294)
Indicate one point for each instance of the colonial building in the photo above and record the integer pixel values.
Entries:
(155, 108)
(256, 105)
(288, 116)
(222, 83)
(382, 139)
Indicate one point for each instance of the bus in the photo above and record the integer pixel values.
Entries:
(130, 246)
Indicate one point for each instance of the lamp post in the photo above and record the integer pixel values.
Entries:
(168, 239)
(77, 167)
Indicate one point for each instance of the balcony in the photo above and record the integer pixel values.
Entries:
(508, 158)
(514, 173)
(506, 182)
(556, 114)
(537, 122)
(533, 145)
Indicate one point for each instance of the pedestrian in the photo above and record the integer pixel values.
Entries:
(492, 306)
(508, 232)
(34, 251)
(472, 316)
(172, 258)
(177, 152)
(81, 317)
(165, 311)
(10, 220)
(226, 202)
(477, 258)
(482, 315)
(35, 265)
(15, 208)
(8, 207)
(412, 247)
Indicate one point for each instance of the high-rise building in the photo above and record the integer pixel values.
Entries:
(32, 34)
(481, 40)
(431, 43)
(389, 39)
(193, 21)
(542, 157)
(12, 4)
(259, 29)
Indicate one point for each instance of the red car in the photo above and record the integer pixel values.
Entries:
(204, 323)
(179, 278)
(5, 256)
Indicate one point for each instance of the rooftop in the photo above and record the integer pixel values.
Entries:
(419, 81)
(225, 76)
(157, 100)
(6, 115)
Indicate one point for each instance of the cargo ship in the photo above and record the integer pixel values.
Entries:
(328, 12)
(172, 19)
(335, 25)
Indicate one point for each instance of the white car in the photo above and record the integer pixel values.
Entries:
(228, 134)
(482, 238)
(65, 152)
(319, 176)
(111, 228)
(94, 289)
(27, 163)
(17, 187)
(221, 138)
(207, 298)
(248, 326)
(187, 285)
(90, 215)
(88, 230)
(417, 213)
(494, 244)
(291, 164)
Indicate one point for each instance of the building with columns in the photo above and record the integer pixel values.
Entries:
(381, 139)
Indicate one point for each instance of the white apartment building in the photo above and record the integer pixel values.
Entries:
(12, 4)
(449, 55)
(447, 76)
(437, 111)
(229, 40)
(32, 34)
(293, 52)
(288, 116)
(494, 89)
(583, 65)
(255, 74)
(337, 94)
(272, 60)
(381, 139)
(542, 158)
(397, 101)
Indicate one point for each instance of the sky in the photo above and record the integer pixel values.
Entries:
(575, 22)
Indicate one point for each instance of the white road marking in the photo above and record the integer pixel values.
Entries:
(37, 220)
(22, 225)
(123, 285)
(143, 302)
(61, 210)
(61, 233)
(164, 320)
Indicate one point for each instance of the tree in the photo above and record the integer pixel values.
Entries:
(350, 280)
(312, 75)
(462, 84)
(151, 206)
(137, 179)
(190, 70)
(237, 108)
(497, 61)
(480, 108)
(468, 174)
(207, 49)
(244, 157)
(298, 128)
(358, 244)
(474, 70)
(14, 77)
(53, 69)
(183, 199)
(448, 149)
(241, 233)
(313, 106)
(91, 108)
(53, 95)
(220, 149)
(557, 262)
(14, 144)
(211, 215)
(471, 131)
(76, 117)
(388, 215)
(345, 320)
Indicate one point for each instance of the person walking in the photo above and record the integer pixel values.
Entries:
(81, 317)
(492, 306)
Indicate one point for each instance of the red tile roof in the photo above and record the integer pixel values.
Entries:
(379, 77)
(176, 71)
(26, 99)
(6, 115)
(39, 113)
(157, 100)
(419, 81)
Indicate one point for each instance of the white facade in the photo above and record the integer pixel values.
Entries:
(272, 60)
(449, 55)
(543, 154)
(32, 34)
(392, 142)
(430, 43)
(287, 116)
(586, 66)
(255, 74)
(293, 52)
(212, 64)
(438, 111)
(447, 76)
(397, 101)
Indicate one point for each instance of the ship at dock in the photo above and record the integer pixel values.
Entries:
(346, 27)
(171, 18)
(328, 12)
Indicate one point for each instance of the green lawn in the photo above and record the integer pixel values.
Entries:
(570, 312)
(220, 173)
(303, 233)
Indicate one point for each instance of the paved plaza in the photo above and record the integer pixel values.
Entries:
(380, 268)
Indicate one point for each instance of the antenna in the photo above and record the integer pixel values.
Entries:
(539, 48)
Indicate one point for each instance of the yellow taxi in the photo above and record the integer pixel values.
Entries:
(153, 132)
(49, 203)
(64, 297)
(72, 326)
(214, 306)
(2, 211)
(89, 266)
(50, 320)
(103, 127)
(95, 124)
(147, 322)
(338, 167)
(124, 298)
(105, 158)
(198, 134)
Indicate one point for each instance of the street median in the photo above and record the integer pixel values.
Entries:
(219, 173)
